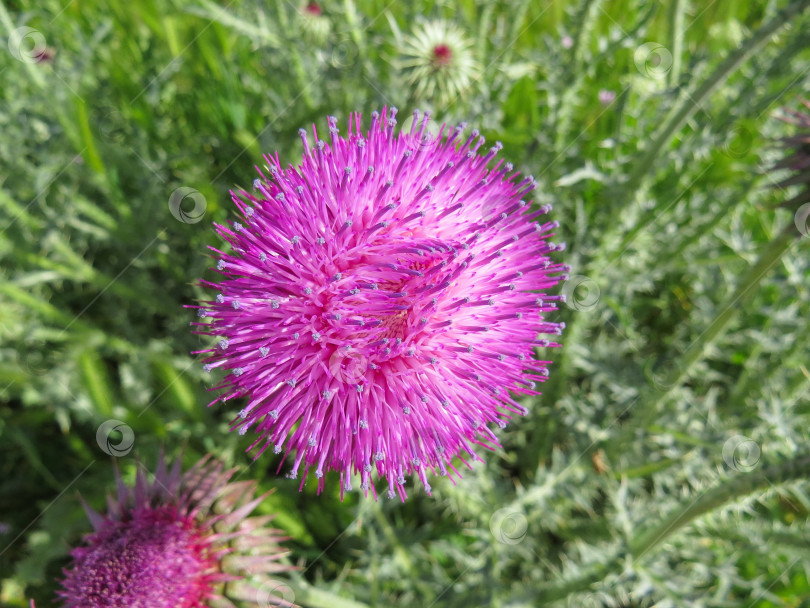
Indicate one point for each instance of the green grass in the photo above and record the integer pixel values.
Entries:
(699, 332)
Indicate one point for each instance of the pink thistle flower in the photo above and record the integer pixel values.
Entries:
(173, 543)
(381, 303)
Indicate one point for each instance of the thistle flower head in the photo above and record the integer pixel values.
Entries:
(164, 544)
(798, 158)
(314, 25)
(381, 303)
(438, 61)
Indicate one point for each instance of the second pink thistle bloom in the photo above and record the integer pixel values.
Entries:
(381, 303)
(183, 540)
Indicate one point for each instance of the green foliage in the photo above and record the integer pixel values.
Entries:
(686, 351)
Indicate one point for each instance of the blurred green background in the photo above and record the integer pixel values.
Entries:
(664, 464)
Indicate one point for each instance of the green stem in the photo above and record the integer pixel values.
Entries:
(576, 326)
(796, 387)
(745, 289)
(400, 552)
(586, 18)
(680, 436)
(652, 537)
(735, 487)
(680, 368)
(87, 142)
(518, 24)
(677, 10)
(690, 103)
(647, 469)
(87, 333)
(316, 597)
(750, 378)
(33, 70)
(710, 226)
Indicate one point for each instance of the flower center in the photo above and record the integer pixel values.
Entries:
(386, 302)
(442, 55)
(155, 559)
(313, 8)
